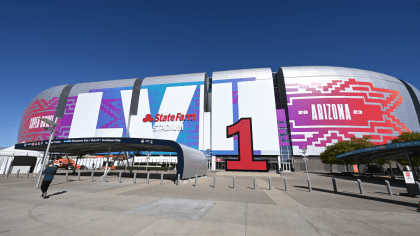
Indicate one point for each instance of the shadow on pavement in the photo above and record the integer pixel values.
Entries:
(57, 193)
(361, 196)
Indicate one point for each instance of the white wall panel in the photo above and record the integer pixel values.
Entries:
(201, 122)
(138, 128)
(85, 115)
(222, 116)
(109, 132)
(175, 100)
(126, 102)
(256, 100)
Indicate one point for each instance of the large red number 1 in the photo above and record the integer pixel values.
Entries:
(243, 128)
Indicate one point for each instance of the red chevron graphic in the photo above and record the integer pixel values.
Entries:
(312, 116)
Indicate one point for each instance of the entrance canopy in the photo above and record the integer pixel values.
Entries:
(191, 162)
(386, 151)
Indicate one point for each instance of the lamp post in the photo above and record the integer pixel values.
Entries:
(52, 125)
(147, 159)
(208, 158)
(305, 159)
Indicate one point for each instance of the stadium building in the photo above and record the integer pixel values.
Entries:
(291, 109)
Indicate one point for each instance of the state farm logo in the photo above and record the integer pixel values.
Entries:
(148, 118)
(179, 117)
(169, 117)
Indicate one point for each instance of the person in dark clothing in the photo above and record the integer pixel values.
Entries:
(48, 173)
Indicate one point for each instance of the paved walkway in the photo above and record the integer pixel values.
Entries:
(112, 208)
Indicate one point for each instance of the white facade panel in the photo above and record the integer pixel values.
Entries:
(201, 122)
(126, 101)
(222, 116)
(138, 128)
(207, 131)
(86, 115)
(109, 132)
(256, 100)
(176, 100)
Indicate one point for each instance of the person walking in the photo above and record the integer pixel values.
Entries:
(48, 173)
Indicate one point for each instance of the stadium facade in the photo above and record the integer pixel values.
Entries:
(291, 109)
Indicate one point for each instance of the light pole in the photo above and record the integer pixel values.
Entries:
(147, 159)
(52, 125)
(208, 158)
(305, 159)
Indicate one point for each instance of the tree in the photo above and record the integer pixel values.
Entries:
(328, 156)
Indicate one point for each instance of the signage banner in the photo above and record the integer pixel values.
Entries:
(322, 113)
(408, 177)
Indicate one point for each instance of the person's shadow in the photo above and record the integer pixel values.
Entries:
(54, 194)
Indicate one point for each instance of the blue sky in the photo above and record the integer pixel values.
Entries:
(49, 43)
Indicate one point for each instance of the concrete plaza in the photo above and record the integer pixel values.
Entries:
(112, 208)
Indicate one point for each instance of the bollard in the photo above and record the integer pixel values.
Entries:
(234, 182)
(309, 185)
(269, 183)
(360, 186)
(147, 178)
(78, 176)
(178, 179)
(195, 181)
(334, 185)
(105, 175)
(17, 173)
(161, 179)
(388, 186)
(119, 178)
(214, 181)
(285, 184)
(7, 174)
(134, 179)
(91, 176)
(27, 174)
(255, 183)
(67, 175)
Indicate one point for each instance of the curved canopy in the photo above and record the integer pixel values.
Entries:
(191, 162)
(386, 151)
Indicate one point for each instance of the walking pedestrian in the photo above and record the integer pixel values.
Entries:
(48, 173)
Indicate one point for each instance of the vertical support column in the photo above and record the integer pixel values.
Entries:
(91, 176)
(17, 173)
(67, 175)
(78, 176)
(134, 179)
(390, 167)
(269, 183)
(255, 183)
(27, 174)
(119, 178)
(161, 179)
(107, 160)
(411, 166)
(147, 181)
(234, 182)
(77, 160)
